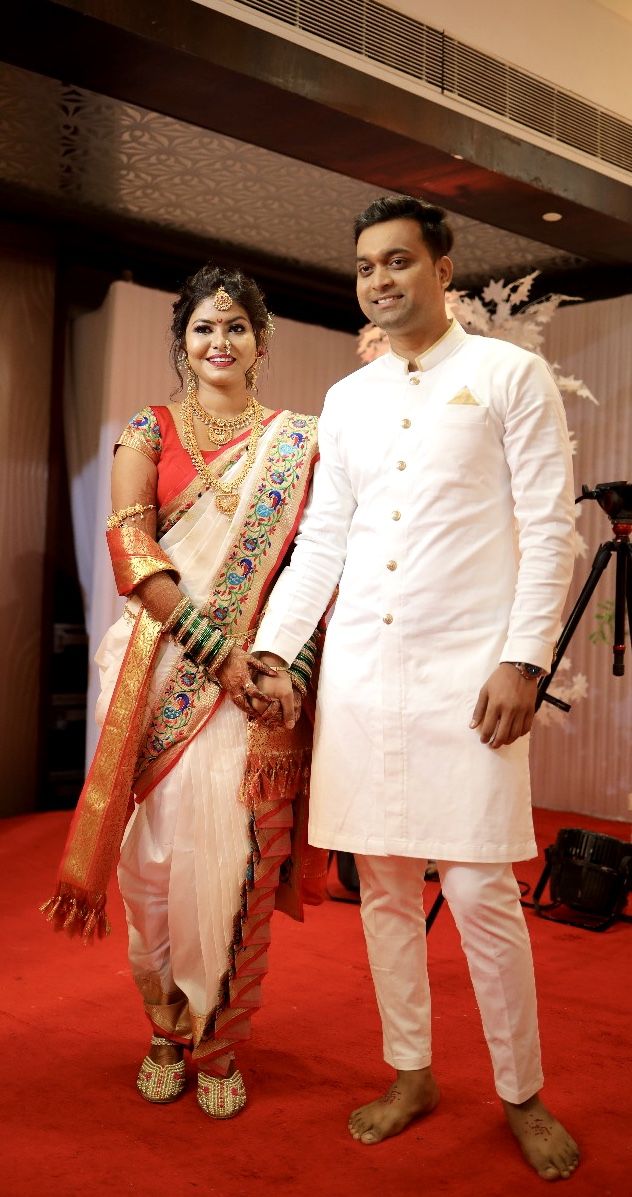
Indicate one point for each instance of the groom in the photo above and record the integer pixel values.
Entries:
(443, 506)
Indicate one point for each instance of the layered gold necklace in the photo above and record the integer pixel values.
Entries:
(220, 430)
(226, 493)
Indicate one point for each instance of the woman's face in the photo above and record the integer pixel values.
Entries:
(220, 345)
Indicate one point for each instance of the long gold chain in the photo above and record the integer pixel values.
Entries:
(221, 430)
(226, 493)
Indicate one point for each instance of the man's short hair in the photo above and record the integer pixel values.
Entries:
(432, 222)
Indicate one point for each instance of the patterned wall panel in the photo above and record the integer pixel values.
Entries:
(65, 142)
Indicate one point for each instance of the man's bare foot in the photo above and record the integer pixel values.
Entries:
(544, 1142)
(413, 1094)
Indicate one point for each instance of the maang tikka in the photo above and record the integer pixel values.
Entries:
(222, 300)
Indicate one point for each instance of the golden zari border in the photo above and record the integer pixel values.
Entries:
(97, 827)
(136, 557)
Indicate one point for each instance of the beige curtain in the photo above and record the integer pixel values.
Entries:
(583, 762)
(118, 363)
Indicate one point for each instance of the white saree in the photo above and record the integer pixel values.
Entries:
(190, 845)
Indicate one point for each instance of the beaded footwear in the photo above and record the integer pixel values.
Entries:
(161, 1082)
(221, 1097)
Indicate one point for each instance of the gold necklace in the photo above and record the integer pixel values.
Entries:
(220, 429)
(226, 494)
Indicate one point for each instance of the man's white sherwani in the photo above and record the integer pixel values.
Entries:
(443, 504)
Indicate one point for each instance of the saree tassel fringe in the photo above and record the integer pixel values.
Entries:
(274, 775)
(77, 914)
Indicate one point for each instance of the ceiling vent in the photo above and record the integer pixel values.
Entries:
(420, 52)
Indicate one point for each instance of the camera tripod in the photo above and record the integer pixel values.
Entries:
(615, 498)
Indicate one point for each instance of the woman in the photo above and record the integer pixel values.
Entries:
(207, 495)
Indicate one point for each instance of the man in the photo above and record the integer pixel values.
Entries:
(433, 458)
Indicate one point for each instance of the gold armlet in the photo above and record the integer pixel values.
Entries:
(117, 518)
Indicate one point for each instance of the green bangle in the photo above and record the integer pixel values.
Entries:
(190, 632)
(187, 610)
(299, 682)
(200, 641)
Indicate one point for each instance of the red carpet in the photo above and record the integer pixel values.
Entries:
(73, 1124)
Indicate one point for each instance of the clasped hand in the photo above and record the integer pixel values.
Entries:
(255, 686)
(505, 707)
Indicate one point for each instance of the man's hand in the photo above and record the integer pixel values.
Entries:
(284, 700)
(235, 675)
(505, 707)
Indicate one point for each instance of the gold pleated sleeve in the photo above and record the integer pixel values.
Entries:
(136, 556)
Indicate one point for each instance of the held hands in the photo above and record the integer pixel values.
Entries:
(505, 707)
(236, 675)
(283, 699)
(255, 686)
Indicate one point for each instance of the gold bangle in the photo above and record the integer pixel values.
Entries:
(124, 513)
(218, 661)
(175, 615)
(299, 684)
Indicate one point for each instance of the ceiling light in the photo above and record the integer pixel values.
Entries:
(459, 156)
(551, 216)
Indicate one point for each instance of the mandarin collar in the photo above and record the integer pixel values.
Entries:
(450, 340)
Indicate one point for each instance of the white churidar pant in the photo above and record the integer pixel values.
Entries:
(485, 902)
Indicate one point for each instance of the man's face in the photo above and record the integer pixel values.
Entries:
(400, 288)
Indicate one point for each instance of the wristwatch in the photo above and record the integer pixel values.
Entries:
(530, 672)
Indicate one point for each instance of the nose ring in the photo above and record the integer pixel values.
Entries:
(227, 345)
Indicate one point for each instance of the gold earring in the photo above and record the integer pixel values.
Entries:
(252, 373)
(191, 382)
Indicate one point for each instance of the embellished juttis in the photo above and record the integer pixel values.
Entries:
(199, 868)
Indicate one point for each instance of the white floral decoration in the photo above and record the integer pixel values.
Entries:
(372, 343)
(504, 311)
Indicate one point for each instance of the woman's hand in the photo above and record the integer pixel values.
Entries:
(278, 688)
(273, 713)
(236, 676)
